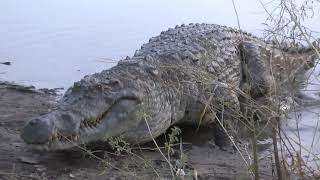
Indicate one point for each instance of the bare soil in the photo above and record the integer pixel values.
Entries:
(18, 104)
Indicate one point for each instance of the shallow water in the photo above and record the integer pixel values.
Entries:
(313, 83)
(303, 126)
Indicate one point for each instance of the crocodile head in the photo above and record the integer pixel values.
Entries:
(94, 109)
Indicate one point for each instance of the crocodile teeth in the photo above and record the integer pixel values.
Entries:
(76, 138)
(73, 138)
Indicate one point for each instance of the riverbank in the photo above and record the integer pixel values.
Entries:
(18, 104)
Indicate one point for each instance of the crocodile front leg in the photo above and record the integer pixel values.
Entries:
(256, 80)
(257, 83)
(222, 108)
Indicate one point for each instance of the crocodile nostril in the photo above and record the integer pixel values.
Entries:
(34, 122)
(37, 131)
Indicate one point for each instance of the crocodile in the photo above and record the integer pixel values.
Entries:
(193, 74)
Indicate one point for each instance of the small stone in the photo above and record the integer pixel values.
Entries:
(40, 168)
(28, 160)
(17, 144)
(72, 176)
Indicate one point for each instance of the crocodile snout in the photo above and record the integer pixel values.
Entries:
(37, 131)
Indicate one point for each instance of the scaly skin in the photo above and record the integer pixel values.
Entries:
(170, 80)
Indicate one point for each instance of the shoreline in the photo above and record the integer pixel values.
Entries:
(20, 103)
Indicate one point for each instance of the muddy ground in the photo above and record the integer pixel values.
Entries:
(18, 104)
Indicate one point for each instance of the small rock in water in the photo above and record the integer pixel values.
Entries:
(6, 63)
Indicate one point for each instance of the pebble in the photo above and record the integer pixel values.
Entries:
(72, 176)
(28, 160)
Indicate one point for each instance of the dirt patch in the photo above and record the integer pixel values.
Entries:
(18, 104)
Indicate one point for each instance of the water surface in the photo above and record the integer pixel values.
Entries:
(54, 43)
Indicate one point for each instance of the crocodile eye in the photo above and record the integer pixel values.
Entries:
(99, 87)
(125, 105)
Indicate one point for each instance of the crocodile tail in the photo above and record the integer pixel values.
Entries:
(295, 47)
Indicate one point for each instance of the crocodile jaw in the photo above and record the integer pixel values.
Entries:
(49, 133)
(59, 142)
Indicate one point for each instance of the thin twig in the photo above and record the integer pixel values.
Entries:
(236, 12)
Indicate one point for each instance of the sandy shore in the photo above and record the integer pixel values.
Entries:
(18, 104)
